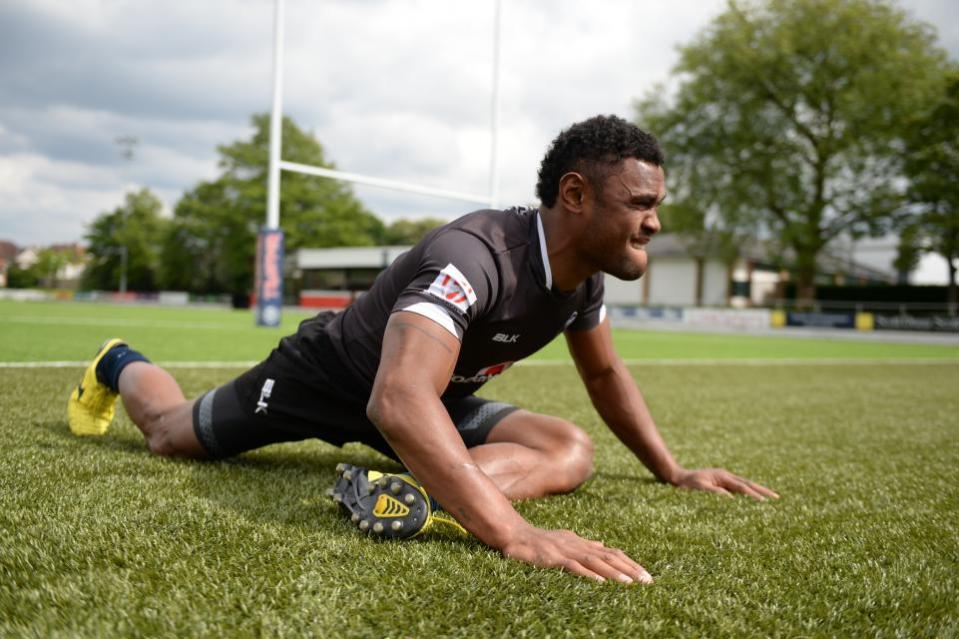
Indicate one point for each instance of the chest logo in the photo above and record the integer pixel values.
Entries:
(504, 338)
(482, 375)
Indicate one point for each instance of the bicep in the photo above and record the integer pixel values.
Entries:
(418, 355)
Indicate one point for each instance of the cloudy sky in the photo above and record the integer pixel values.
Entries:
(398, 89)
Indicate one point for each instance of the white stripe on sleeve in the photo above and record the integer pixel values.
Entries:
(436, 313)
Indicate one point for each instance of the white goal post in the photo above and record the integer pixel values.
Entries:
(269, 273)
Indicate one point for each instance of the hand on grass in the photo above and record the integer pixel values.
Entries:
(568, 551)
(720, 480)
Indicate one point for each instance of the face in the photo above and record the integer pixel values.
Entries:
(623, 217)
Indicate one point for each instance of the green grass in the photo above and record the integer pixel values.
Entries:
(61, 331)
(102, 539)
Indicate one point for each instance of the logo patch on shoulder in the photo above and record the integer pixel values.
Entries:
(451, 285)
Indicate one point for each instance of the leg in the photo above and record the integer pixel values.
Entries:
(155, 403)
(529, 455)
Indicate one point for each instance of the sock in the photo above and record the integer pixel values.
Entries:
(113, 363)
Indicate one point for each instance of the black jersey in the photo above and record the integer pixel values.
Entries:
(486, 279)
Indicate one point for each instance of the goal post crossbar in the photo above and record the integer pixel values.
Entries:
(383, 183)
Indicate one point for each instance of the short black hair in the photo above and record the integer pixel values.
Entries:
(593, 147)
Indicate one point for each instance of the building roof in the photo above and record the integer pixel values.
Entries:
(8, 251)
(665, 245)
(348, 257)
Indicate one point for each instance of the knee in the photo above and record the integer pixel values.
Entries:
(160, 435)
(160, 443)
(575, 457)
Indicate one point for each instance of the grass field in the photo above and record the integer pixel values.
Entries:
(101, 539)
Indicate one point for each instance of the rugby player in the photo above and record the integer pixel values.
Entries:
(398, 370)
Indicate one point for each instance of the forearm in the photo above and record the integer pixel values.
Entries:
(622, 406)
(419, 430)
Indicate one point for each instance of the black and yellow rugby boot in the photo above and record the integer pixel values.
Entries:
(391, 506)
(92, 403)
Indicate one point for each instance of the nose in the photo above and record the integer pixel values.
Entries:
(651, 224)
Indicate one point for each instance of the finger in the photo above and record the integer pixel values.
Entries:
(605, 567)
(744, 488)
(640, 573)
(763, 490)
(716, 489)
(576, 568)
(628, 567)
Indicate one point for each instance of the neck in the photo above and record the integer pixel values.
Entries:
(569, 269)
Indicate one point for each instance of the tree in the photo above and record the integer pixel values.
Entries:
(50, 262)
(22, 277)
(211, 246)
(786, 120)
(402, 232)
(130, 234)
(932, 166)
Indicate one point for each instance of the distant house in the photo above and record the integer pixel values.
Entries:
(675, 277)
(70, 273)
(74, 260)
(332, 277)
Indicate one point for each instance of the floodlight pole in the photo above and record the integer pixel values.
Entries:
(494, 111)
(123, 269)
(269, 253)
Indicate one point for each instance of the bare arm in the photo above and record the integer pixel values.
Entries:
(621, 405)
(417, 361)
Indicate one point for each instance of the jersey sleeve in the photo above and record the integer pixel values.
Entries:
(455, 282)
(593, 311)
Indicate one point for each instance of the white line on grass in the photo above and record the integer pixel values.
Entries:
(769, 361)
(67, 364)
(90, 321)
(562, 362)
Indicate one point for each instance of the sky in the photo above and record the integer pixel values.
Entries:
(397, 89)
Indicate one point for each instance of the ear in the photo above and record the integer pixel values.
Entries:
(572, 191)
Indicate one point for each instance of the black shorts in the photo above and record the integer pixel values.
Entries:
(292, 396)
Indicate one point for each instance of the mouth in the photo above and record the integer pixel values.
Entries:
(639, 243)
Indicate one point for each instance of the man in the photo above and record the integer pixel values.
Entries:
(398, 370)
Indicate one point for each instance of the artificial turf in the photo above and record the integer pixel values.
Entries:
(58, 331)
(102, 539)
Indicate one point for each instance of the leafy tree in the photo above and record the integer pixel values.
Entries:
(932, 165)
(908, 253)
(21, 277)
(49, 264)
(211, 246)
(786, 117)
(135, 228)
(402, 232)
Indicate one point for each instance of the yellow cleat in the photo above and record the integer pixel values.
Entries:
(386, 505)
(92, 404)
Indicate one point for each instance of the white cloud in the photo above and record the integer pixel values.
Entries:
(46, 200)
(395, 88)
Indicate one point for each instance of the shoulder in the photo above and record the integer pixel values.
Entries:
(498, 230)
